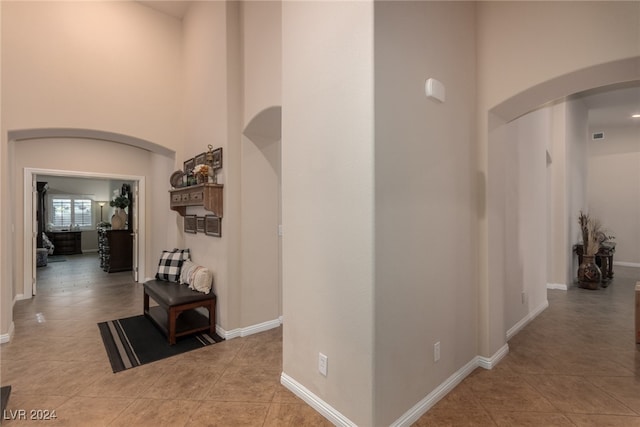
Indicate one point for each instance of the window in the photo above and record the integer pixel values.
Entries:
(66, 211)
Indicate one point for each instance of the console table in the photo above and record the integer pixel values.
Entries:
(66, 242)
(604, 258)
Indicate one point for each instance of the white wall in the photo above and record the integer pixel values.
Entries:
(425, 285)
(208, 119)
(614, 188)
(513, 57)
(110, 66)
(327, 201)
(525, 214)
(260, 159)
(577, 181)
(106, 66)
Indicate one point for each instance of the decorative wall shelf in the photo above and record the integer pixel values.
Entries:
(207, 195)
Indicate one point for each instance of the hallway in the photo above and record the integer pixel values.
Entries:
(574, 365)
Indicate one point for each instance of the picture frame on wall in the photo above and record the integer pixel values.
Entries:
(190, 224)
(217, 158)
(213, 225)
(200, 224)
(189, 165)
(200, 159)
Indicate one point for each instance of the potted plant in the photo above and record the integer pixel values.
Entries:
(202, 173)
(589, 274)
(119, 218)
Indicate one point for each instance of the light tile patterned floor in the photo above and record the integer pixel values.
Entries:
(57, 361)
(574, 365)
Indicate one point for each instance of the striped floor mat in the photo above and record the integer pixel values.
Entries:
(134, 341)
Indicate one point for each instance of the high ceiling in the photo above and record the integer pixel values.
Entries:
(176, 8)
(612, 106)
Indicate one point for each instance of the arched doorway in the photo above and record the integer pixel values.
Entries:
(547, 94)
(78, 152)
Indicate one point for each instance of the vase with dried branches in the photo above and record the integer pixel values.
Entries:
(589, 274)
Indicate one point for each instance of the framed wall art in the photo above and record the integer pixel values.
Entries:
(200, 224)
(190, 224)
(213, 225)
(189, 165)
(217, 158)
(200, 159)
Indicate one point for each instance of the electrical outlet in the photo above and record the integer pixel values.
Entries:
(323, 362)
(436, 351)
(524, 297)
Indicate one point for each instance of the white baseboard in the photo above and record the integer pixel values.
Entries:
(7, 337)
(626, 264)
(249, 330)
(420, 408)
(490, 362)
(560, 286)
(413, 414)
(315, 402)
(528, 318)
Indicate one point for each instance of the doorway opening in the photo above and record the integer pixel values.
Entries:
(33, 176)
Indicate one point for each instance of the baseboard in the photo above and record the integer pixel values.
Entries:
(413, 414)
(249, 330)
(626, 264)
(528, 318)
(421, 408)
(559, 286)
(7, 337)
(490, 362)
(315, 402)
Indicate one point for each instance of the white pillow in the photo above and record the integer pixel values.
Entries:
(196, 276)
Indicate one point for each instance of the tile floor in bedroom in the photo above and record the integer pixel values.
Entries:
(574, 365)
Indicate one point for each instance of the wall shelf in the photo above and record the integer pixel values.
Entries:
(207, 195)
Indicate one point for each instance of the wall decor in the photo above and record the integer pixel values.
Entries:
(217, 158)
(200, 224)
(176, 179)
(189, 165)
(201, 159)
(213, 225)
(190, 224)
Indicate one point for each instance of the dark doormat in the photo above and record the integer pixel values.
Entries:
(135, 341)
(4, 398)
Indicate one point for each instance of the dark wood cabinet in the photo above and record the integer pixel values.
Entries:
(115, 248)
(41, 214)
(66, 242)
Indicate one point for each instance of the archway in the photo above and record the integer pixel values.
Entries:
(110, 142)
(261, 218)
(545, 94)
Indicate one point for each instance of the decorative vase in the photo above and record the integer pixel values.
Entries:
(119, 219)
(201, 179)
(589, 274)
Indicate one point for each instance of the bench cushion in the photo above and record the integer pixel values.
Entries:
(169, 294)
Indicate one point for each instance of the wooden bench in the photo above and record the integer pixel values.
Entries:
(175, 314)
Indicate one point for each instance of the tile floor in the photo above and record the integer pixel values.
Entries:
(57, 361)
(574, 365)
